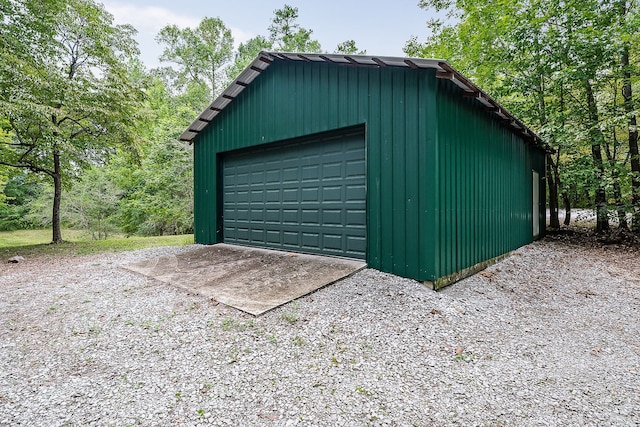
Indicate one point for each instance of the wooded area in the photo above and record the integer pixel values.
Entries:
(570, 71)
(81, 115)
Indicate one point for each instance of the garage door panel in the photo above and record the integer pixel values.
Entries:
(310, 240)
(273, 176)
(355, 168)
(310, 172)
(290, 174)
(356, 192)
(309, 197)
(356, 245)
(274, 237)
(290, 216)
(332, 193)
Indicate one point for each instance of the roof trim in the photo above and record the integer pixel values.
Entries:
(443, 70)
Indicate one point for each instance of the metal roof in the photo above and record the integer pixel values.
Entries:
(443, 71)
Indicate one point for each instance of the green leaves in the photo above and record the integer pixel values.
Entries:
(349, 47)
(559, 67)
(287, 35)
(201, 53)
(66, 96)
(246, 53)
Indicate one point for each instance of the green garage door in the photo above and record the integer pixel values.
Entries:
(306, 196)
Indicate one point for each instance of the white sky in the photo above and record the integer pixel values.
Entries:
(381, 28)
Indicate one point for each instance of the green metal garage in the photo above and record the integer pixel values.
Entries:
(402, 162)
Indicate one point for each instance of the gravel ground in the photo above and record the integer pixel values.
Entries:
(549, 336)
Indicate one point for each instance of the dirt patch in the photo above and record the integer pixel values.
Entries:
(249, 279)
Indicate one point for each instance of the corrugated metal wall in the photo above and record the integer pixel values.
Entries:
(484, 181)
(426, 217)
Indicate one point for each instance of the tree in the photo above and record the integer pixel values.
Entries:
(246, 53)
(65, 93)
(92, 203)
(288, 36)
(556, 65)
(18, 192)
(201, 53)
(629, 38)
(156, 196)
(349, 47)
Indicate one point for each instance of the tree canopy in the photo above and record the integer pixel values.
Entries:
(567, 68)
(201, 54)
(286, 34)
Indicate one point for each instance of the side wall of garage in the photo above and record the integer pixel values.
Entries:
(295, 99)
(484, 172)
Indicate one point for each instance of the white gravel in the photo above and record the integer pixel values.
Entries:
(549, 336)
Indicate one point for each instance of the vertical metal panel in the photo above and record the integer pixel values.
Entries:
(429, 179)
(386, 171)
(374, 166)
(444, 180)
(411, 175)
(485, 179)
(399, 204)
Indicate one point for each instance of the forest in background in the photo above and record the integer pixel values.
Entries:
(570, 71)
(88, 134)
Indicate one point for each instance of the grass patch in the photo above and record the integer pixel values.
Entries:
(33, 243)
(291, 315)
(36, 237)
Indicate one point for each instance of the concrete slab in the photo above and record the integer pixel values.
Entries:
(250, 279)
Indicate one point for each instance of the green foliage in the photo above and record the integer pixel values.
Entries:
(146, 194)
(66, 98)
(349, 47)
(93, 203)
(19, 191)
(558, 66)
(157, 194)
(246, 53)
(287, 35)
(291, 315)
(200, 53)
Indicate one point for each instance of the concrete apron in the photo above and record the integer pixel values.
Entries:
(250, 279)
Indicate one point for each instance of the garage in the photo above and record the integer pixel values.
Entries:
(401, 162)
(303, 195)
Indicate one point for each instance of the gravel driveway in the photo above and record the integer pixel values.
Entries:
(549, 336)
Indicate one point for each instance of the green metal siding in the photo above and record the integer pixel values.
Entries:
(291, 100)
(484, 185)
(439, 169)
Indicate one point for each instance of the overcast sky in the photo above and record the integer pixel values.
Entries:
(381, 28)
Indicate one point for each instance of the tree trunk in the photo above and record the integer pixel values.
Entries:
(554, 221)
(602, 219)
(566, 200)
(627, 93)
(567, 207)
(615, 178)
(617, 195)
(57, 195)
